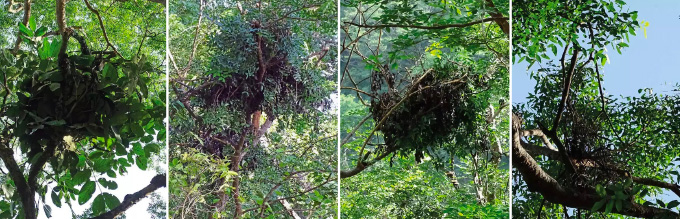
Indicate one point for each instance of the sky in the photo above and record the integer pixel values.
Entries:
(650, 62)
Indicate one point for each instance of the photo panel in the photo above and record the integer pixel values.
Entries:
(424, 109)
(253, 109)
(596, 109)
(82, 109)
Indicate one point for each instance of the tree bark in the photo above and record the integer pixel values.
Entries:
(539, 181)
(502, 23)
(26, 192)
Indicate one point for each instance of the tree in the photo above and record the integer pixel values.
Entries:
(251, 100)
(77, 110)
(424, 86)
(575, 149)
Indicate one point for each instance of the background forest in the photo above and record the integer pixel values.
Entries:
(424, 117)
(253, 121)
(82, 109)
(596, 116)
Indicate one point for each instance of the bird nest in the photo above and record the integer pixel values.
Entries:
(428, 116)
(76, 96)
(592, 155)
(254, 69)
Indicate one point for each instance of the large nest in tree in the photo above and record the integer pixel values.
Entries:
(254, 69)
(67, 100)
(592, 156)
(430, 115)
(80, 95)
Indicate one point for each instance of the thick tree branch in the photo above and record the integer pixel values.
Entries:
(39, 164)
(26, 193)
(539, 133)
(535, 150)
(436, 27)
(538, 180)
(502, 23)
(157, 181)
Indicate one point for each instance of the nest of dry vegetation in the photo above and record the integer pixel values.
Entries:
(594, 159)
(429, 116)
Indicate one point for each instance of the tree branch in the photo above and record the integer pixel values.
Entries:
(26, 194)
(436, 27)
(539, 133)
(27, 16)
(101, 25)
(362, 165)
(656, 183)
(157, 181)
(567, 87)
(502, 23)
(538, 180)
(39, 164)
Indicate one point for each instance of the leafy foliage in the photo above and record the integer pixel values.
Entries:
(77, 120)
(252, 101)
(421, 81)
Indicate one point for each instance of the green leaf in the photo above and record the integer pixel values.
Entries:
(673, 204)
(598, 205)
(108, 184)
(142, 162)
(118, 119)
(55, 197)
(102, 165)
(600, 190)
(31, 22)
(111, 200)
(151, 149)
(137, 129)
(554, 48)
(48, 210)
(23, 29)
(660, 203)
(120, 150)
(618, 205)
(98, 205)
(110, 72)
(137, 149)
(54, 47)
(81, 177)
(610, 205)
(86, 192)
(41, 31)
(54, 86)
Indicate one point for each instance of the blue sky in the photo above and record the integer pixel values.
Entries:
(651, 62)
(647, 63)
